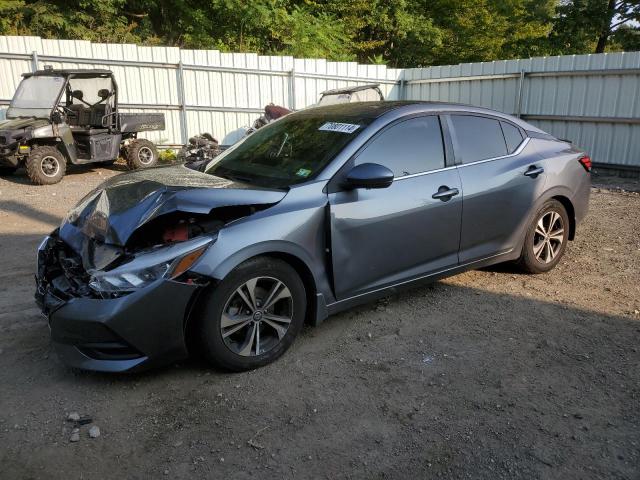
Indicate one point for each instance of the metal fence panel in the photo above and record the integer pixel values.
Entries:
(197, 90)
(592, 100)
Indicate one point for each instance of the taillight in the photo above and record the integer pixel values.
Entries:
(586, 163)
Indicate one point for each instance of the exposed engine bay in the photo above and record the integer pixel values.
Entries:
(130, 218)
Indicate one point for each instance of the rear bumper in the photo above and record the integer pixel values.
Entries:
(138, 331)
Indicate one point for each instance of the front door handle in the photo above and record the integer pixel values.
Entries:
(534, 171)
(445, 193)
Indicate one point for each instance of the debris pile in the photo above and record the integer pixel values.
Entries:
(79, 420)
(200, 150)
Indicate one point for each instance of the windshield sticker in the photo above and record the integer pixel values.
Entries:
(339, 127)
(303, 172)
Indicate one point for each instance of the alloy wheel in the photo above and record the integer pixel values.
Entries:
(548, 237)
(49, 166)
(145, 155)
(257, 316)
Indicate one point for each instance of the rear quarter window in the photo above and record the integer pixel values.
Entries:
(512, 135)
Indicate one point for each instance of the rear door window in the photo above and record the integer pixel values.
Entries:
(477, 138)
(411, 146)
(512, 136)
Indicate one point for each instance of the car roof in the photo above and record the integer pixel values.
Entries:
(66, 72)
(376, 109)
(357, 88)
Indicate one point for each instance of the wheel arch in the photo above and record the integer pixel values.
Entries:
(571, 213)
(49, 142)
(563, 195)
(308, 281)
(290, 253)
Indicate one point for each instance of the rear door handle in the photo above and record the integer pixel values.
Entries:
(534, 171)
(445, 193)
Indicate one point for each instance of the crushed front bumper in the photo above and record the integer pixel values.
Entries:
(140, 330)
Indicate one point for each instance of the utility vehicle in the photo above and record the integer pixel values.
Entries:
(72, 116)
(359, 93)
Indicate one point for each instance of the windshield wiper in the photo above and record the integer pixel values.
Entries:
(231, 176)
(284, 141)
(239, 178)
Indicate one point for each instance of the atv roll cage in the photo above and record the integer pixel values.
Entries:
(60, 116)
(39, 100)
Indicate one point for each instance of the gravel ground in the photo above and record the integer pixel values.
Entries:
(489, 374)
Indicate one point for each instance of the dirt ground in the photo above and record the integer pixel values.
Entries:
(490, 374)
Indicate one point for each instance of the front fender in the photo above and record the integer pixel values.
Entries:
(61, 134)
(287, 229)
(221, 269)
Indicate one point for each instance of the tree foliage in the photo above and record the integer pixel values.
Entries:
(593, 24)
(394, 32)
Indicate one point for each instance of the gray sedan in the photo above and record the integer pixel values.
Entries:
(317, 212)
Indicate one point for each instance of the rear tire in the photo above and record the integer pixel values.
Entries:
(46, 165)
(6, 171)
(141, 153)
(252, 336)
(546, 239)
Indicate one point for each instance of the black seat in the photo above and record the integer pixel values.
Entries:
(82, 131)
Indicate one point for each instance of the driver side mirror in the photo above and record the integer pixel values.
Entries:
(369, 175)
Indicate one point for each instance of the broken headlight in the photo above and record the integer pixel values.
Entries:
(165, 262)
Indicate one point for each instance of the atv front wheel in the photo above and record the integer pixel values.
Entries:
(46, 165)
(141, 153)
(6, 171)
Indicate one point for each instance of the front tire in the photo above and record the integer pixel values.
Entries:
(546, 239)
(46, 165)
(7, 171)
(141, 153)
(252, 316)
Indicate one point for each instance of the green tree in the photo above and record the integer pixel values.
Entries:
(484, 30)
(11, 12)
(95, 20)
(394, 32)
(590, 25)
(263, 26)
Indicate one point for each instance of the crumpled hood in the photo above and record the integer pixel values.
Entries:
(116, 209)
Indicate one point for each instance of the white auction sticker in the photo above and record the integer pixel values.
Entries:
(339, 127)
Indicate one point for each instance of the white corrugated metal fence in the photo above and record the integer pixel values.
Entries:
(593, 100)
(197, 90)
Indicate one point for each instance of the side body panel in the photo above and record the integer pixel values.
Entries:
(141, 122)
(62, 134)
(382, 236)
(294, 227)
(98, 147)
(565, 176)
(498, 199)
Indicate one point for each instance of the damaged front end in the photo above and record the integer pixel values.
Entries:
(115, 279)
(129, 315)
(59, 275)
